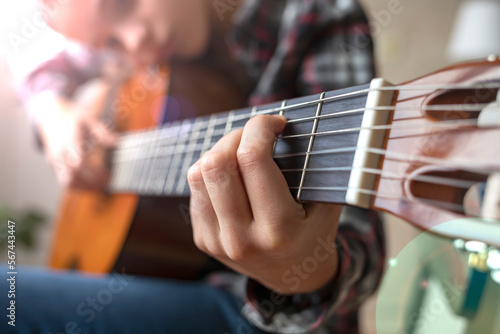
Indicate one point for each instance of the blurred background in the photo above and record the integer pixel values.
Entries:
(412, 38)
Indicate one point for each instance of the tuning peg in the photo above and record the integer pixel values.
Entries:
(478, 255)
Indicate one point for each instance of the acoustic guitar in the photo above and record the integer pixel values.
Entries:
(427, 150)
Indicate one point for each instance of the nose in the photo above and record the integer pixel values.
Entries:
(136, 40)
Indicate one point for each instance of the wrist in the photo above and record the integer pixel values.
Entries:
(305, 276)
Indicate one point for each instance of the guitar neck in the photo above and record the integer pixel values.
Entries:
(318, 152)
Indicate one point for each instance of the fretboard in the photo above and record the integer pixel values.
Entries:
(315, 152)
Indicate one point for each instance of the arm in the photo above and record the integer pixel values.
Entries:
(331, 50)
(73, 138)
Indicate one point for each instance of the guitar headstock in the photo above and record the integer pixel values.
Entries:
(442, 152)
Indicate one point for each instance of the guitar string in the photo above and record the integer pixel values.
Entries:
(461, 183)
(379, 195)
(492, 85)
(167, 142)
(442, 108)
(439, 180)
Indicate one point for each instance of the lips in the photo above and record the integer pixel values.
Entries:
(166, 50)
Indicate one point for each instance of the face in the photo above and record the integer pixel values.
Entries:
(147, 31)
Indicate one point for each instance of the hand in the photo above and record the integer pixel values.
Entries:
(75, 142)
(244, 215)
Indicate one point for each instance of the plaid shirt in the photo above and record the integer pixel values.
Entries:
(288, 48)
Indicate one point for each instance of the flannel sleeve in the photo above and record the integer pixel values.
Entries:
(60, 75)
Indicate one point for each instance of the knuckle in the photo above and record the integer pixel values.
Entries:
(249, 156)
(194, 176)
(238, 251)
(215, 167)
(274, 242)
(213, 248)
(238, 254)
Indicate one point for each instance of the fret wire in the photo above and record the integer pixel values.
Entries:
(253, 112)
(155, 160)
(158, 161)
(229, 123)
(310, 147)
(114, 173)
(164, 170)
(281, 113)
(129, 157)
(123, 171)
(142, 156)
(131, 182)
(150, 156)
(170, 183)
(208, 138)
(188, 158)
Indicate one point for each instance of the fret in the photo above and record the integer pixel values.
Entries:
(129, 159)
(209, 133)
(168, 133)
(229, 123)
(286, 145)
(310, 147)
(334, 142)
(177, 157)
(116, 171)
(281, 113)
(253, 112)
(163, 138)
(241, 117)
(137, 161)
(119, 168)
(156, 160)
(191, 148)
(149, 152)
(119, 160)
(219, 130)
(123, 163)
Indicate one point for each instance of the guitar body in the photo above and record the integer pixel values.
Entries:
(91, 227)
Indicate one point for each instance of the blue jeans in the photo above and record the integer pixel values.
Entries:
(68, 302)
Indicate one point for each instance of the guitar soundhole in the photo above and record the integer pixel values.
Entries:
(457, 104)
(445, 189)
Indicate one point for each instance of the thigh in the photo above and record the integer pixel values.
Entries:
(68, 302)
